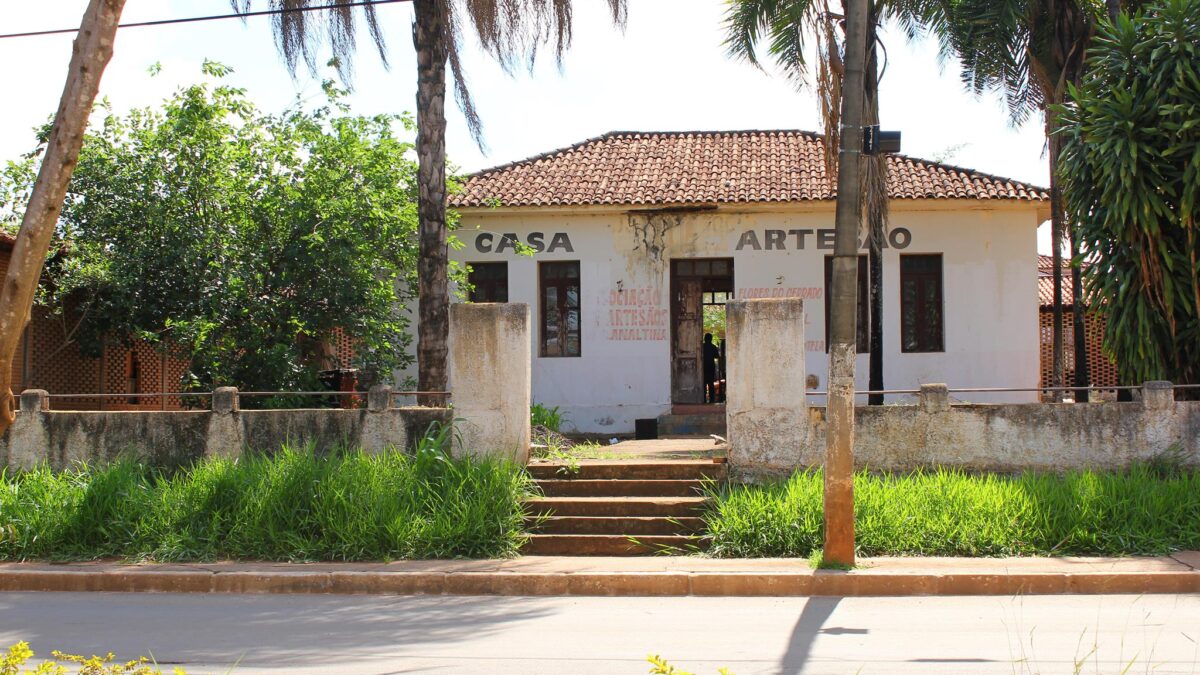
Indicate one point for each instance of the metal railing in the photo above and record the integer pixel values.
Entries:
(349, 399)
(1004, 390)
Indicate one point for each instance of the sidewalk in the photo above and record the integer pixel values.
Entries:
(655, 576)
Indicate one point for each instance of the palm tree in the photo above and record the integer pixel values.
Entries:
(1032, 51)
(788, 28)
(91, 53)
(510, 31)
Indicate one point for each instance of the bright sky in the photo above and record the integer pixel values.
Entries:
(668, 71)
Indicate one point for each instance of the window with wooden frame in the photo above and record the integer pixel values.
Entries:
(922, 324)
(489, 281)
(864, 304)
(558, 292)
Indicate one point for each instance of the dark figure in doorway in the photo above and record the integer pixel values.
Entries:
(709, 356)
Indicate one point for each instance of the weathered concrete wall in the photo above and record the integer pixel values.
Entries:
(172, 438)
(765, 405)
(1005, 437)
(491, 378)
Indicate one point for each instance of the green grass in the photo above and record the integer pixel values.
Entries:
(292, 505)
(1141, 511)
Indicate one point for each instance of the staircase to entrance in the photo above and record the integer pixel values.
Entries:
(619, 508)
(703, 419)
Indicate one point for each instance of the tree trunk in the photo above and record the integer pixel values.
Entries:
(839, 444)
(1079, 316)
(1114, 9)
(430, 38)
(92, 49)
(876, 195)
(1056, 235)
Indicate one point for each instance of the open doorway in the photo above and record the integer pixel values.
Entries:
(699, 290)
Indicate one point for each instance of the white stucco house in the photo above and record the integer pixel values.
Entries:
(618, 244)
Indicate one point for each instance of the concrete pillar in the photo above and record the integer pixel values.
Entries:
(225, 400)
(935, 398)
(27, 441)
(224, 438)
(1156, 395)
(379, 398)
(35, 400)
(765, 410)
(490, 379)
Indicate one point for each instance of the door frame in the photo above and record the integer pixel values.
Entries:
(690, 269)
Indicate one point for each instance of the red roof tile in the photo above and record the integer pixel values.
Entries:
(1046, 282)
(709, 167)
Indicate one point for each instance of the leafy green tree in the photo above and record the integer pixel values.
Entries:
(1031, 51)
(1130, 168)
(510, 31)
(245, 240)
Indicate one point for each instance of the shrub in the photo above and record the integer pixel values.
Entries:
(20, 653)
(946, 512)
(1130, 169)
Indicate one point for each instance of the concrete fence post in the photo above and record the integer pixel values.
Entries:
(1158, 395)
(935, 397)
(225, 400)
(379, 398)
(35, 400)
(765, 410)
(27, 438)
(224, 437)
(490, 378)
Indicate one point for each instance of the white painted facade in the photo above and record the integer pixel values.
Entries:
(624, 372)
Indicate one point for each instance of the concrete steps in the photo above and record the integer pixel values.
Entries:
(620, 488)
(704, 424)
(622, 508)
(617, 507)
(630, 470)
(610, 545)
(641, 525)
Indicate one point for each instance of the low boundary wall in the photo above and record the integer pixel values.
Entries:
(171, 438)
(1005, 438)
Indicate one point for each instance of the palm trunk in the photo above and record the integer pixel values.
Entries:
(92, 49)
(430, 38)
(1079, 316)
(839, 443)
(1056, 236)
(1114, 9)
(876, 195)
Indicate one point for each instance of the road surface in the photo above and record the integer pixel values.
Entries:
(277, 634)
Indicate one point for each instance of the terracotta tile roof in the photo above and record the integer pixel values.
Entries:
(710, 167)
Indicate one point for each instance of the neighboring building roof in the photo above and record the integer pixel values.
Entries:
(1046, 282)
(710, 167)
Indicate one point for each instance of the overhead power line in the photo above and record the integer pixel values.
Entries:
(214, 17)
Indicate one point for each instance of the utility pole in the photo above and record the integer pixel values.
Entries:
(839, 441)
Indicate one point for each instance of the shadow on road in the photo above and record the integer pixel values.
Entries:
(810, 624)
(266, 630)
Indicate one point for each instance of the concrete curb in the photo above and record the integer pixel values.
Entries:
(618, 578)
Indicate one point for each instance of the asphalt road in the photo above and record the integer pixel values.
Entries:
(373, 634)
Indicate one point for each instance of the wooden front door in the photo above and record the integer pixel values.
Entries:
(687, 328)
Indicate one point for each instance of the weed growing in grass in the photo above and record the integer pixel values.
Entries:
(294, 504)
(948, 512)
(547, 417)
(816, 560)
(660, 666)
